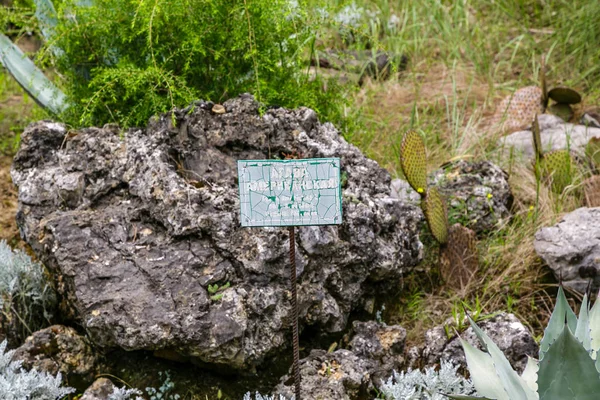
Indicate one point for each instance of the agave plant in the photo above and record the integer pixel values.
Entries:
(458, 250)
(568, 366)
(30, 77)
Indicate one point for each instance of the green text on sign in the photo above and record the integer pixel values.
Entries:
(290, 192)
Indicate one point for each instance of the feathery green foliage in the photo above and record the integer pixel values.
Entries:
(124, 61)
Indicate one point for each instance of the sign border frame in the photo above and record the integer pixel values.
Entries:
(287, 161)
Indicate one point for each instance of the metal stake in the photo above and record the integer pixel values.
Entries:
(296, 344)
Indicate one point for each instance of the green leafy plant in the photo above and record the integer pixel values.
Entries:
(122, 61)
(214, 290)
(568, 366)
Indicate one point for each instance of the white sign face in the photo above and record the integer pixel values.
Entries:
(290, 192)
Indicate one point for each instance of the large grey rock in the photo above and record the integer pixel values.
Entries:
(571, 248)
(511, 336)
(556, 134)
(375, 350)
(135, 227)
(477, 193)
(60, 349)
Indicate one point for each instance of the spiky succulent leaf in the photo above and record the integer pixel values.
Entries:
(465, 397)
(595, 327)
(483, 373)
(562, 312)
(582, 332)
(33, 81)
(414, 162)
(436, 215)
(564, 95)
(513, 384)
(529, 375)
(47, 18)
(567, 371)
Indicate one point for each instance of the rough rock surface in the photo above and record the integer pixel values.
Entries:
(375, 351)
(477, 194)
(136, 226)
(401, 190)
(99, 390)
(571, 248)
(556, 134)
(511, 336)
(60, 349)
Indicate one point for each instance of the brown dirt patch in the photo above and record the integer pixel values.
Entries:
(8, 202)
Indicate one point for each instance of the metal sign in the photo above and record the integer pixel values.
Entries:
(290, 192)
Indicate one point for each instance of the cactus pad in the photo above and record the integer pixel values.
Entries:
(436, 215)
(562, 110)
(592, 151)
(564, 95)
(591, 189)
(459, 259)
(413, 161)
(537, 137)
(559, 168)
(517, 110)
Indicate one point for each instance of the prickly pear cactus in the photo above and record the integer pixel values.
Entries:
(591, 190)
(517, 110)
(436, 214)
(414, 162)
(592, 151)
(459, 259)
(559, 169)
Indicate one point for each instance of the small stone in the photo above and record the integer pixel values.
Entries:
(218, 109)
(101, 389)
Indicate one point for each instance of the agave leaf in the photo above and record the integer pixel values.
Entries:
(567, 371)
(562, 310)
(33, 81)
(46, 16)
(513, 384)
(595, 326)
(564, 95)
(529, 375)
(483, 373)
(582, 332)
(464, 397)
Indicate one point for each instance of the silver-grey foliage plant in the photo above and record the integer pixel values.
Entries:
(26, 298)
(18, 384)
(428, 385)
(259, 396)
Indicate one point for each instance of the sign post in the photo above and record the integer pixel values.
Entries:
(290, 193)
